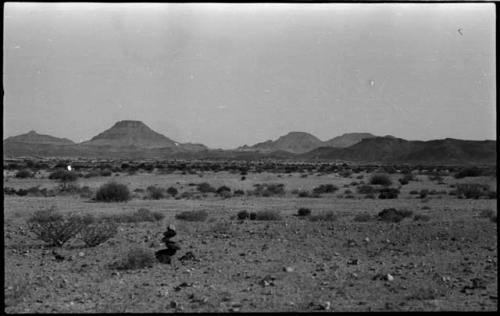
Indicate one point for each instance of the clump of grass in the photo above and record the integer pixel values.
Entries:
(269, 189)
(136, 258)
(155, 193)
(303, 211)
(268, 215)
(53, 228)
(487, 213)
(142, 215)
(388, 193)
(23, 174)
(323, 216)
(380, 179)
(393, 215)
(364, 217)
(113, 192)
(243, 215)
(472, 190)
(366, 189)
(468, 172)
(421, 218)
(205, 188)
(172, 191)
(192, 216)
(325, 188)
(95, 234)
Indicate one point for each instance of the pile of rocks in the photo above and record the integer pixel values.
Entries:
(164, 255)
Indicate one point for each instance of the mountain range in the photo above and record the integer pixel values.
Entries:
(135, 140)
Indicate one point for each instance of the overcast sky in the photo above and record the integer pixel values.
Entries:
(231, 74)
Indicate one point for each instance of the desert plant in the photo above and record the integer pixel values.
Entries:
(472, 190)
(172, 191)
(393, 215)
(323, 216)
(23, 174)
(192, 216)
(243, 215)
(155, 193)
(421, 217)
(239, 192)
(380, 179)
(468, 172)
(267, 215)
(205, 188)
(95, 234)
(325, 188)
(253, 216)
(142, 215)
(303, 211)
(269, 189)
(362, 217)
(113, 192)
(53, 228)
(388, 193)
(366, 189)
(136, 258)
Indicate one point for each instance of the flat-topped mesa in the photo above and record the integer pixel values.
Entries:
(130, 124)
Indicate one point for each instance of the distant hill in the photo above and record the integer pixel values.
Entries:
(293, 142)
(347, 139)
(397, 150)
(130, 133)
(33, 137)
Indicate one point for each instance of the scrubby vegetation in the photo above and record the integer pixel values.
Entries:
(323, 216)
(192, 216)
(393, 215)
(53, 228)
(95, 234)
(267, 215)
(325, 188)
(23, 174)
(303, 211)
(388, 193)
(142, 215)
(155, 193)
(364, 217)
(380, 179)
(113, 192)
(136, 258)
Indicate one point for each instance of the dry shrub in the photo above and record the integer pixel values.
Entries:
(380, 179)
(113, 192)
(136, 258)
(142, 215)
(323, 216)
(363, 217)
(421, 218)
(267, 216)
(393, 215)
(53, 228)
(95, 234)
(192, 216)
(303, 211)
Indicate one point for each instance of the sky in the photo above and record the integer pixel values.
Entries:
(226, 75)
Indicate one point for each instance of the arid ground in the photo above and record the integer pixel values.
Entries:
(446, 262)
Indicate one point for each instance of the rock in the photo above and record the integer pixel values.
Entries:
(325, 306)
(173, 304)
(354, 262)
(389, 277)
(288, 269)
(367, 240)
(81, 254)
(189, 256)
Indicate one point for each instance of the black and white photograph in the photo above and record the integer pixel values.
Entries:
(249, 157)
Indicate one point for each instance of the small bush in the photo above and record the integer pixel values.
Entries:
(362, 217)
(23, 174)
(487, 213)
(413, 192)
(323, 216)
(142, 215)
(205, 188)
(95, 234)
(192, 216)
(304, 211)
(325, 188)
(243, 215)
(155, 193)
(253, 216)
(421, 218)
(423, 193)
(388, 193)
(269, 189)
(468, 172)
(53, 228)
(380, 179)
(113, 192)
(137, 258)
(366, 189)
(472, 190)
(64, 176)
(267, 216)
(172, 191)
(239, 192)
(393, 215)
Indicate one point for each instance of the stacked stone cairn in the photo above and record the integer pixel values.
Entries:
(165, 255)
